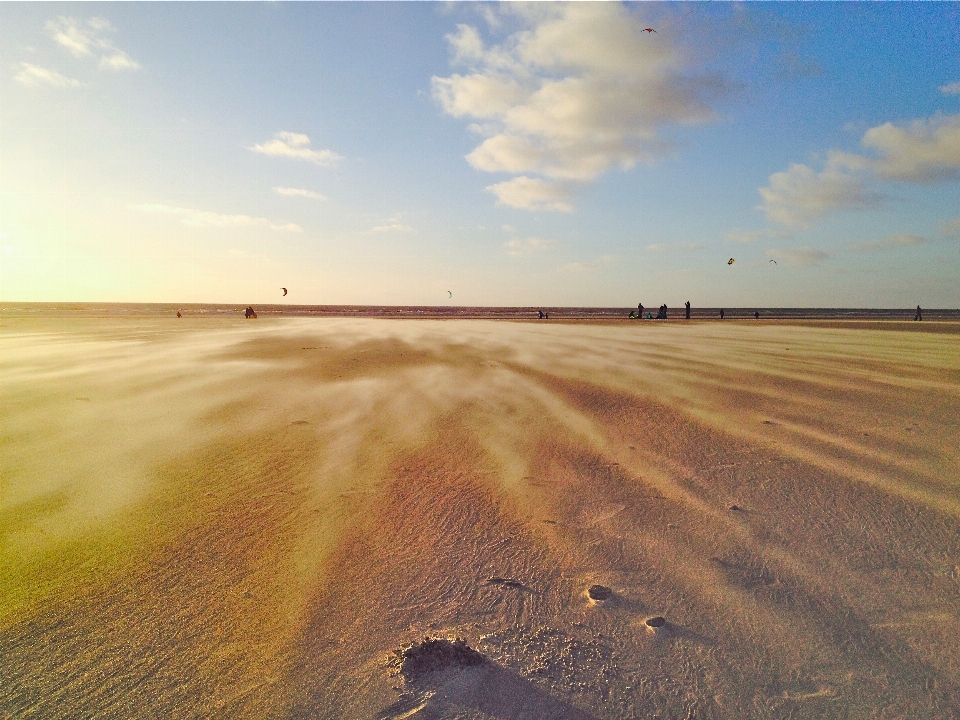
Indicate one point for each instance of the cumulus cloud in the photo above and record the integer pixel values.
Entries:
(35, 76)
(392, 227)
(527, 246)
(532, 194)
(86, 39)
(580, 89)
(296, 145)
(205, 218)
(951, 89)
(298, 192)
(799, 195)
(797, 257)
(924, 151)
(890, 242)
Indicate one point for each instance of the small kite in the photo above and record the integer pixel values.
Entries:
(772, 261)
(664, 27)
(449, 293)
(731, 261)
(284, 291)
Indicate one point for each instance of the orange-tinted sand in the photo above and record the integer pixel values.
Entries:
(219, 518)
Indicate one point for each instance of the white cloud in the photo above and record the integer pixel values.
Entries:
(579, 90)
(205, 218)
(296, 145)
(798, 257)
(527, 246)
(36, 76)
(890, 242)
(393, 227)
(951, 89)
(297, 192)
(924, 151)
(532, 194)
(585, 266)
(800, 195)
(83, 40)
(751, 236)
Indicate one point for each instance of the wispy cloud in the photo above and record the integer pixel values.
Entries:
(296, 145)
(532, 194)
(86, 39)
(586, 266)
(392, 227)
(751, 236)
(951, 89)
(205, 218)
(798, 257)
(527, 246)
(298, 192)
(578, 90)
(683, 246)
(890, 242)
(33, 76)
(951, 228)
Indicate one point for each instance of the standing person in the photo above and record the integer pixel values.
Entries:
(721, 313)
(756, 314)
(639, 309)
(688, 309)
(919, 315)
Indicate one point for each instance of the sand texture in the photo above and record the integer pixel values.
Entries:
(227, 519)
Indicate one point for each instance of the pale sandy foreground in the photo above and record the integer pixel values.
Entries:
(219, 518)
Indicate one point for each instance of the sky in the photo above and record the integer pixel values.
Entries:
(481, 154)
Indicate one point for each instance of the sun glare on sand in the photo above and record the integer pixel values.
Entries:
(215, 519)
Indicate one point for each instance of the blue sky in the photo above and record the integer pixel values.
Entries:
(511, 154)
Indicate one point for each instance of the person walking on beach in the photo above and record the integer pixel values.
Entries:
(721, 313)
(756, 314)
(688, 309)
(919, 315)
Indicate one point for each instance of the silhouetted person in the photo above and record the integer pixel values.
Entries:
(540, 314)
(178, 314)
(249, 313)
(721, 313)
(688, 309)
(639, 309)
(756, 314)
(919, 315)
(662, 315)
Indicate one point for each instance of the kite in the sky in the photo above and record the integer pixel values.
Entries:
(730, 261)
(449, 293)
(772, 261)
(284, 291)
(651, 30)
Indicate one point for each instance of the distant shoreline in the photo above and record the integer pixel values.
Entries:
(99, 309)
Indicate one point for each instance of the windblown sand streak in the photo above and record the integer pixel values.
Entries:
(201, 519)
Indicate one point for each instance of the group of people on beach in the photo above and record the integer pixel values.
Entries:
(662, 312)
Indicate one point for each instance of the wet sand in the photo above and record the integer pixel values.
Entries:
(218, 518)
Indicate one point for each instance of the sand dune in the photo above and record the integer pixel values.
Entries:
(215, 518)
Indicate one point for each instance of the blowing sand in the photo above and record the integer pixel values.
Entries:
(217, 518)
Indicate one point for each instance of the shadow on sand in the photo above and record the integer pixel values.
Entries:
(489, 690)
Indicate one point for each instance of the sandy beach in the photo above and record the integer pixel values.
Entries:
(218, 518)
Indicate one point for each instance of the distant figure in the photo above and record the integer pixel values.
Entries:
(919, 315)
(249, 313)
(178, 314)
(546, 316)
(721, 313)
(756, 314)
(649, 316)
(639, 309)
(688, 309)
(662, 315)
(540, 314)
(633, 314)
